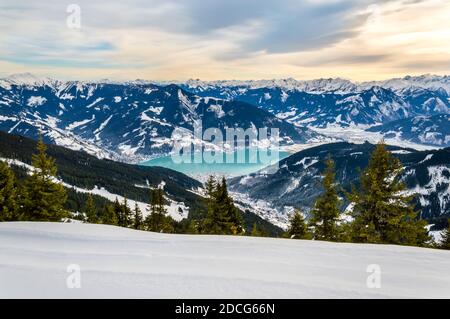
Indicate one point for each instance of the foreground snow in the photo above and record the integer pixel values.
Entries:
(118, 262)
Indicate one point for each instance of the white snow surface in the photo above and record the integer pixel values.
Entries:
(123, 263)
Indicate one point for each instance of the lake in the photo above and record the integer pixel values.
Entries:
(240, 162)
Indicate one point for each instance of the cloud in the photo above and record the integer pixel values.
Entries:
(350, 58)
(224, 38)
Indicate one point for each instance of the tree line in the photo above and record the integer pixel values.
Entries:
(40, 197)
(381, 211)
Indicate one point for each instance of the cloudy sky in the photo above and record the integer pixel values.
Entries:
(225, 39)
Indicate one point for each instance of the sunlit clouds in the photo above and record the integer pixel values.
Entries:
(226, 39)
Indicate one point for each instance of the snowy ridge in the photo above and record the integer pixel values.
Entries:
(336, 85)
(322, 85)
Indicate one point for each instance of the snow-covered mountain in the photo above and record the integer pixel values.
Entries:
(330, 85)
(429, 130)
(298, 180)
(130, 121)
(320, 103)
(134, 120)
(42, 260)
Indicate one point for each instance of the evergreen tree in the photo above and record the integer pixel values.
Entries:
(382, 212)
(445, 243)
(91, 210)
(9, 207)
(44, 198)
(297, 228)
(222, 217)
(193, 227)
(210, 189)
(137, 218)
(157, 220)
(108, 215)
(124, 213)
(255, 231)
(153, 206)
(325, 214)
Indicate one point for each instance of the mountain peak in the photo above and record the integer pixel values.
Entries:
(27, 79)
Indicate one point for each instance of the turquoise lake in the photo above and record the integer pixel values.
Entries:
(230, 164)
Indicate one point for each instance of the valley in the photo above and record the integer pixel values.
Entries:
(136, 122)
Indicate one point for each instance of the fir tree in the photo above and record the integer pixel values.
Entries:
(445, 242)
(91, 210)
(210, 189)
(255, 231)
(382, 212)
(137, 218)
(222, 217)
(108, 215)
(157, 220)
(325, 214)
(193, 227)
(44, 199)
(124, 213)
(297, 226)
(9, 207)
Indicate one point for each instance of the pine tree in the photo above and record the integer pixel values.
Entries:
(153, 206)
(297, 228)
(137, 218)
(108, 215)
(325, 214)
(44, 198)
(91, 210)
(118, 211)
(445, 242)
(124, 214)
(222, 217)
(382, 212)
(157, 220)
(210, 189)
(9, 206)
(255, 231)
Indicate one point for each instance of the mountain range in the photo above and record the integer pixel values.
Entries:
(134, 120)
(336, 102)
(128, 121)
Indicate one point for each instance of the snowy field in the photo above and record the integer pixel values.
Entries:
(117, 262)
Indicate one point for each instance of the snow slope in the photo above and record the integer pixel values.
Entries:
(118, 262)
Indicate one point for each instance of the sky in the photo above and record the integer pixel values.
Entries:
(224, 39)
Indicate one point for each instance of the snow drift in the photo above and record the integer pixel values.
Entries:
(117, 262)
